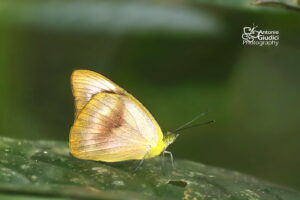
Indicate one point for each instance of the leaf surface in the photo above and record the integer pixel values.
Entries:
(44, 169)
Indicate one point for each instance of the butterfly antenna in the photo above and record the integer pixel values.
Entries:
(188, 123)
(196, 125)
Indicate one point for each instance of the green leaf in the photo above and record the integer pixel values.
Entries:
(250, 4)
(294, 6)
(240, 4)
(44, 169)
(113, 17)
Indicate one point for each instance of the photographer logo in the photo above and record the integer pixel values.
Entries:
(251, 36)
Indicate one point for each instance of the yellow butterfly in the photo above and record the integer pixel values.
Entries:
(110, 124)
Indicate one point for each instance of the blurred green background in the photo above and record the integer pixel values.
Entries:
(179, 58)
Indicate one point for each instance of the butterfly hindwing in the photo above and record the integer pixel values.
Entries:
(107, 129)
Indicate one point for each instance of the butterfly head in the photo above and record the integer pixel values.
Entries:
(169, 138)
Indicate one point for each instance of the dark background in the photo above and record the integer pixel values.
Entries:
(179, 59)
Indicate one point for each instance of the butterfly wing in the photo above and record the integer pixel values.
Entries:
(113, 127)
(110, 124)
(86, 83)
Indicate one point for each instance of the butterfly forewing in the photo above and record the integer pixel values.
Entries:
(87, 83)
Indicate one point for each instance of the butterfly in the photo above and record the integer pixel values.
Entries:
(110, 124)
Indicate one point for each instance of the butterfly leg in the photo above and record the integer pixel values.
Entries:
(163, 159)
(139, 165)
(171, 157)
